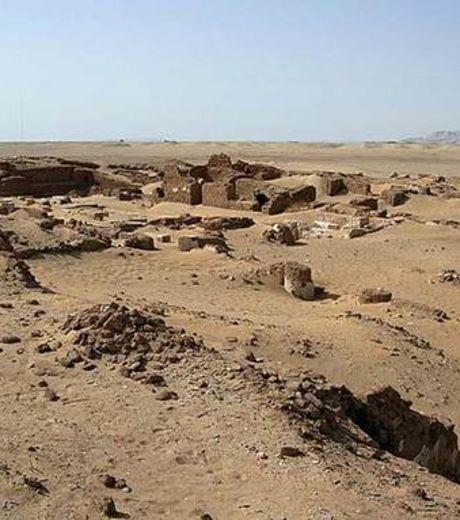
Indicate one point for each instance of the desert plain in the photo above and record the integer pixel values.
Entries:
(229, 331)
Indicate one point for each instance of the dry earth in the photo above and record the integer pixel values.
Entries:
(213, 443)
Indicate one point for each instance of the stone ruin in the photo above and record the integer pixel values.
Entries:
(381, 420)
(224, 184)
(294, 277)
(45, 177)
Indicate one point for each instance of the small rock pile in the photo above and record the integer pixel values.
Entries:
(448, 276)
(127, 337)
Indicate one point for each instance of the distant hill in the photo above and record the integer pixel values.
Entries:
(441, 137)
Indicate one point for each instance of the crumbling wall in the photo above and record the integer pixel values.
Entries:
(43, 179)
(381, 419)
(219, 194)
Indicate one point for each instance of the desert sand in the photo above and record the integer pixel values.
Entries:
(216, 402)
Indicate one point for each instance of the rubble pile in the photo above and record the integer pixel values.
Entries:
(127, 337)
(18, 271)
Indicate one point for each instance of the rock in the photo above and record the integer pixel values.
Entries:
(355, 233)
(291, 451)
(215, 241)
(366, 202)
(10, 339)
(35, 484)
(50, 223)
(166, 395)
(394, 196)
(91, 244)
(280, 233)
(187, 243)
(112, 482)
(140, 241)
(155, 380)
(297, 281)
(50, 395)
(224, 223)
(44, 348)
(70, 358)
(378, 295)
(109, 509)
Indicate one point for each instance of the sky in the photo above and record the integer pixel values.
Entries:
(263, 70)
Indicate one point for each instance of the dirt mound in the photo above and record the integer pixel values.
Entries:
(127, 337)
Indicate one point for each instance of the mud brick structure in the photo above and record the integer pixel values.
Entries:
(43, 177)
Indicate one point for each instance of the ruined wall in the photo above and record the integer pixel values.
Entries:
(187, 193)
(219, 194)
(43, 179)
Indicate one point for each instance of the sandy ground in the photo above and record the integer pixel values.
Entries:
(215, 450)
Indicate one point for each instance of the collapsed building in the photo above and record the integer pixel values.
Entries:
(224, 184)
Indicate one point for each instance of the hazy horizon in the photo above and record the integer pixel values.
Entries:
(199, 70)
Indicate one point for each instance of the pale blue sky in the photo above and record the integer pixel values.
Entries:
(228, 69)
